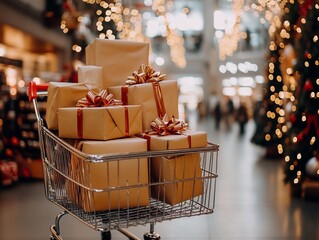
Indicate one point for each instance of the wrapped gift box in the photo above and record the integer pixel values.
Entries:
(153, 102)
(99, 123)
(183, 168)
(62, 95)
(117, 177)
(119, 58)
(92, 76)
(189, 139)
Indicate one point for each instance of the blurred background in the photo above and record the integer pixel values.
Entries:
(244, 63)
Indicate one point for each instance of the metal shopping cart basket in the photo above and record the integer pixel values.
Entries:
(67, 180)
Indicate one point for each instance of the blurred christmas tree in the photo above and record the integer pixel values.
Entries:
(270, 118)
(303, 134)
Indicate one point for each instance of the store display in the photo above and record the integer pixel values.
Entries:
(119, 58)
(27, 129)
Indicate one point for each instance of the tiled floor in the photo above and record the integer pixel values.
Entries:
(252, 203)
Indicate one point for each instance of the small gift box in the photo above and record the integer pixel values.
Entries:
(176, 179)
(92, 76)
(99, 123)
(146, 88)
(114, 178)
(119, 58)
(184, 169)
(61, 95)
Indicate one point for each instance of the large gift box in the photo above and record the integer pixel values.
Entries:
(119, 58)
(156, 99)
(115, 178)
(99, 123)
(61, 95)
(183, 169)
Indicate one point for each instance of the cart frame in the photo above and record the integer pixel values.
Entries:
(63, 187)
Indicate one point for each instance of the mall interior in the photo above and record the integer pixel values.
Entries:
(247, 75)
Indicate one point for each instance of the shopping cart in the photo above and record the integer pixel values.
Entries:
(67, 183)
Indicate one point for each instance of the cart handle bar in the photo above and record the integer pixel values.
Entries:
(35, 89)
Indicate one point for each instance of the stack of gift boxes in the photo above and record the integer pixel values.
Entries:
(109, 113)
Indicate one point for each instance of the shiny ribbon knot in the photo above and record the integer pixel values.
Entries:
(163, 128)
(145, 74)
(101, 99)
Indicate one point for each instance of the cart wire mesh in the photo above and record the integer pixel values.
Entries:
(68, 173)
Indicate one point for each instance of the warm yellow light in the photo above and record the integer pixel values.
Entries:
(13, 91)
(299, 156)
(267, 137)
(287, 158)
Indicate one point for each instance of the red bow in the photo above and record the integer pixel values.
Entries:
(102, 99)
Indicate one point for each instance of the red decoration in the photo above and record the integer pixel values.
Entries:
(304, 7)
(299, 137)
(293, 119)
(308, 86)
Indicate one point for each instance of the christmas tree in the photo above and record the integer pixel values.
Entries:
(270, 118)
(303, 134)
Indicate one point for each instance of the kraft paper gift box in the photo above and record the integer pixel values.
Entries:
(92, 76)
(181, 168)
(61, 94)
(156, 99)
(119, 58)
(99, 123)
(115, 177)
(184, 169)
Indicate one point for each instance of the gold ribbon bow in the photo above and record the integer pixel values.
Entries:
(145, 74)
(101, 99)
(162, 127)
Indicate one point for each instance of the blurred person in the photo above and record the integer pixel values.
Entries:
(229, 112)
(242, 118)
(217, 112)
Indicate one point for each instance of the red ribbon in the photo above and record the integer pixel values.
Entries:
(127, 125)
(101, 99)
(79, 118)
(124, 92)
(158, 96)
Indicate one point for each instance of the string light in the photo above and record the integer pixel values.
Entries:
(174, 40)
(228, 44)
